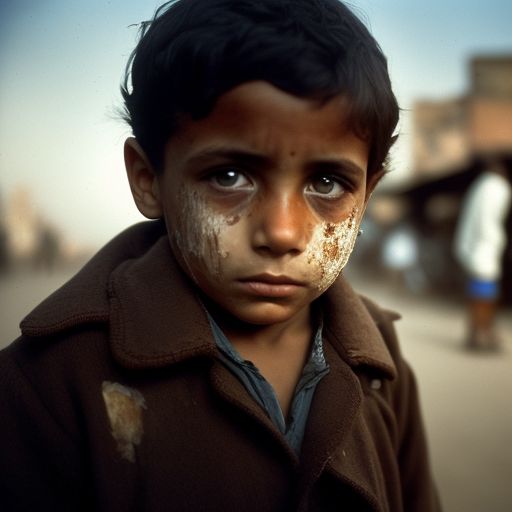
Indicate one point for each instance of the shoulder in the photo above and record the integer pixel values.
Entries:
(385, 320)
(360, 330)
(66, 335)
(120, 308)
(379, 314)
(84, 298)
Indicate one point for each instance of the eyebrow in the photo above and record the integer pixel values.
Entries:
(326, 164)
(335, 164)
(233, 154)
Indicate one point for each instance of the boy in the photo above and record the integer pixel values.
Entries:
(212, 359)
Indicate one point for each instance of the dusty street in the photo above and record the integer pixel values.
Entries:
(466, 397)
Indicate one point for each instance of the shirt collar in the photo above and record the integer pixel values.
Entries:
(316, 362)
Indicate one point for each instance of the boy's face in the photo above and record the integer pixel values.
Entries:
(263, 200)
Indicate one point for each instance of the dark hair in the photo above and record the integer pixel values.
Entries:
(193, 51)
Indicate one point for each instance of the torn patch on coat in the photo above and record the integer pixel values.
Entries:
(124, 408)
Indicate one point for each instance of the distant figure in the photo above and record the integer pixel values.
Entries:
(47, 249)
(480, 241)
(4, 250)
(400, 254)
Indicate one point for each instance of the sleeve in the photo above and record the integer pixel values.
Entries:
(39, 465)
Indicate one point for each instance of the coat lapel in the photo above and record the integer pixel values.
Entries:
(335, 438)
(354, 332)
(232, 391)
(334, 408)
(155, 317)
(84, 299)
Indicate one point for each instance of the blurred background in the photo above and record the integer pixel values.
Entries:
(63, 193)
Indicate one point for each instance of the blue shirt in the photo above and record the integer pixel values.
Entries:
(261, 390)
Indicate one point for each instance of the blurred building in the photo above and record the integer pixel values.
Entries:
(451, 139)
(29, 239)
(21, 223)
(449, 134)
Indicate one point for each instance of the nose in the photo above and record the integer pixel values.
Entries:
(281, 225)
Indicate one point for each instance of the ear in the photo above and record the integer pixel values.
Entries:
(143, 180)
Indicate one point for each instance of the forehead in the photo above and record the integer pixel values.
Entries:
(258, 117)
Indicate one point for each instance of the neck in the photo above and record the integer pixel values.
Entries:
(300, 326)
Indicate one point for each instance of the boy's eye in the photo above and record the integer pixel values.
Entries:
(325, 186)
(230, 179)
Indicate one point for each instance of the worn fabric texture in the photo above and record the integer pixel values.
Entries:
(114, 399)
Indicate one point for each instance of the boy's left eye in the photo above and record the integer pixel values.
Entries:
(326, 186)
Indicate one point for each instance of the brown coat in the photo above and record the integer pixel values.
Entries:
(113, 399)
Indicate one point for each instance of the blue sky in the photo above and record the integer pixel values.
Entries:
(62, 61)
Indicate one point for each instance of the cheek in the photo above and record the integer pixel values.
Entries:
(203, 238)
(197, 235)
(330, 248)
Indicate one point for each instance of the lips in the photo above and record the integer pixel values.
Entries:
(269, 285)
(271, 279)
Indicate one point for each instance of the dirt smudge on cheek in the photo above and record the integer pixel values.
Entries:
(124, 409)
(330, 248)
(232, 220)
(199, 232)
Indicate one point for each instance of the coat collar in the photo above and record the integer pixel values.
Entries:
(84, 298)
(156, 319)
(352, 325)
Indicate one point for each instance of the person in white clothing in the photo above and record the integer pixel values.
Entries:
(480, 241)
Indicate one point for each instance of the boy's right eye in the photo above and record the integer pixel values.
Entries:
(230, 179)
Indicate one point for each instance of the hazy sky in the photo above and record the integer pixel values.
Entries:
(61, 62)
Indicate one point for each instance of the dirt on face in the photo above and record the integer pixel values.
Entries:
(198, 230)
(330, 248)
(205, 240)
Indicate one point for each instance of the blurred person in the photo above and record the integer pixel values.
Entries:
(48, 248)
(4, 241)
(215, 358)
(479, 244)
(4, 250)
(400, 256)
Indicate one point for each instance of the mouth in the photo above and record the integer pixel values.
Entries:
(269, 285)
